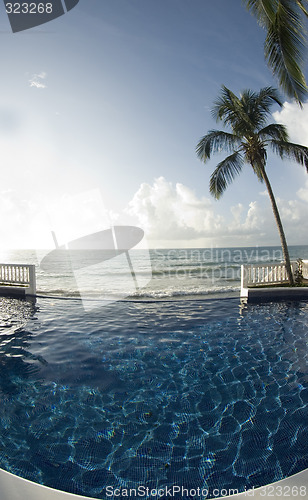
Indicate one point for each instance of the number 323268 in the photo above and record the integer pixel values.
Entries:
(28, 8)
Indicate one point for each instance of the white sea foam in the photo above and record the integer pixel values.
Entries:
(171, 273)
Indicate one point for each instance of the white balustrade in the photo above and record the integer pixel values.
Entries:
(19, 275)
(305, 269)
(265, 274)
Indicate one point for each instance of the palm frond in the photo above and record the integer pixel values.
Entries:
(214, 142)
(225, 172)
(285, 43)
(263, 10)
(301, 6)
(245, 114)
(284, 49)
(274, 131)
(227, 108)
(266, 97)
(257, 105)
(294, 152)
(254, 114)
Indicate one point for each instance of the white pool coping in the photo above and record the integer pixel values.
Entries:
(16, 488)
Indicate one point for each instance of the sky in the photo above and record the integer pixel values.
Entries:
(101, 110)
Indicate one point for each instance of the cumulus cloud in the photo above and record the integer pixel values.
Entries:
(296, 121)
(174, 215)
(173, 212)
(237, 211)
(253, 219)
(302, 193)
(37, 80)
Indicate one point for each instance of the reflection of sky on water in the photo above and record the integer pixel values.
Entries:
(198, 393)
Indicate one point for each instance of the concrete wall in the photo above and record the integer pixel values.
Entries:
(15, 488)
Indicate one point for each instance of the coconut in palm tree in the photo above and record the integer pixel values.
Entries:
(247, 142)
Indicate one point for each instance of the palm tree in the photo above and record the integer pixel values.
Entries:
(248, 142)
(285, 43)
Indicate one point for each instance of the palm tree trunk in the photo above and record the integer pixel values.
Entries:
(283, 240)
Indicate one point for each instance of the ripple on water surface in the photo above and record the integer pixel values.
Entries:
(196, 394)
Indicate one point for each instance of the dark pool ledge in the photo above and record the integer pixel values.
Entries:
(265, 294)
(16, 488)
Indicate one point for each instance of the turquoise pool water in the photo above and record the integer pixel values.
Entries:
(194, 394)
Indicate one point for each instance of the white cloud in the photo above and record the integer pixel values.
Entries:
(302, 193)
(171, 215)
(237, 211)
(17, 214)
(168, 213)
(174, 215)
(253, 219)
(296, 121)
(37, 80)
(248, 223)
(291, 210)
(28, 219)
(72, 217)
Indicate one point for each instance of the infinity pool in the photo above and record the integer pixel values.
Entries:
(196, 394)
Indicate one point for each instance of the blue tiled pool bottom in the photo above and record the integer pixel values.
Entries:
(193, 394)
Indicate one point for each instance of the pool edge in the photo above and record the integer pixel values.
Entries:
(17, 488)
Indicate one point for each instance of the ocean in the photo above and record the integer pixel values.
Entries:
(177, 386)
(145, 274)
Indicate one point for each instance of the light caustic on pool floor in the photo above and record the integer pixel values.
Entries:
(204, 400)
